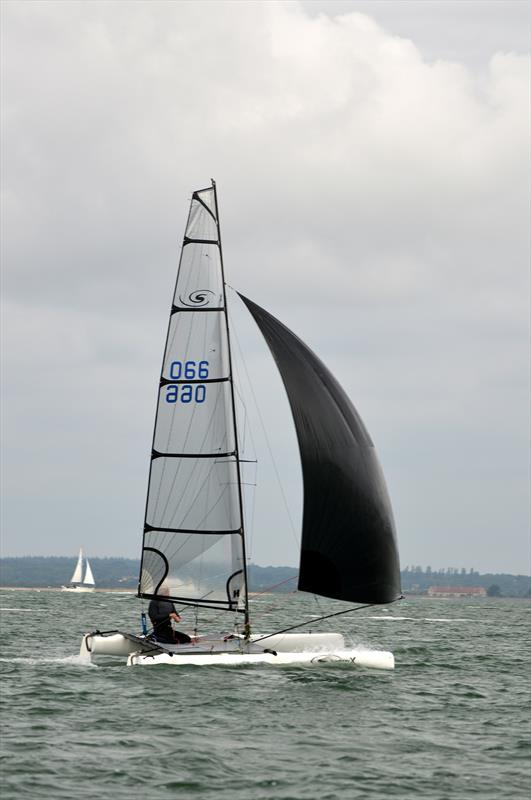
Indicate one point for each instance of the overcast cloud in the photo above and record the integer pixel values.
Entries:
(372, 162)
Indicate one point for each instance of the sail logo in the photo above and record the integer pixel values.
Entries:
(199, 297)
(187, 392)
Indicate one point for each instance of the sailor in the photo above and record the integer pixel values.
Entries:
(161, 613)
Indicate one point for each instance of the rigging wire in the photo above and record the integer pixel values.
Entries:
(264, 431)
(249, 498)
(279, 600)
(314, 621)
(276, 585)
(316, 598)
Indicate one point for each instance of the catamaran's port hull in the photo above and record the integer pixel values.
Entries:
(291, 648)
(107, 644)
(116, 643)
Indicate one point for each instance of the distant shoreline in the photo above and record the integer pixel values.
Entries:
(132, 592)
(49, 573)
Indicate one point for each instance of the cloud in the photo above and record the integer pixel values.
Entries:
(374, 200)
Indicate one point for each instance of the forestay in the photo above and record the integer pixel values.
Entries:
(193, 546)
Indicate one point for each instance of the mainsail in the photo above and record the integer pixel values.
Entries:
(193, 545)
(78, 572)
(348, 549)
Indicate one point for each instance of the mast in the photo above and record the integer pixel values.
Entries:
(247, 629)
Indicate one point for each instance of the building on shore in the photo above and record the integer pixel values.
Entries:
(457, 591)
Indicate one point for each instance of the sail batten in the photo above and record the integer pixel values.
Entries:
(156, 454)
(348, 549)
(148, 528)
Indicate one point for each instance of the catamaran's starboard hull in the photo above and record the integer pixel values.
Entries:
(375, 659)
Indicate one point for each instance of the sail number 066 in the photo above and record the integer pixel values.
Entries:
(187, 393)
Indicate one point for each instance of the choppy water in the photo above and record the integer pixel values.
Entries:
(452, 721)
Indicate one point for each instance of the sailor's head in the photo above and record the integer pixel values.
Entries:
(164, 590)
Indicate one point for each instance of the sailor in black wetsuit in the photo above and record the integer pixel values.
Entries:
(161, 612)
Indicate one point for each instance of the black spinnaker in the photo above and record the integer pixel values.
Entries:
(348, 548)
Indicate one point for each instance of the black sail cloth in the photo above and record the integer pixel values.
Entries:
(348, 549)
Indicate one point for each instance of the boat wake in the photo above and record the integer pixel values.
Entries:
(75, 661)
(418, 619)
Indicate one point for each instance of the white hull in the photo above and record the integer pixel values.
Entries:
(77, 589)
(375, 659)
(309, 648)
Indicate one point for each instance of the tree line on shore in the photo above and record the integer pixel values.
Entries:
(122, 573)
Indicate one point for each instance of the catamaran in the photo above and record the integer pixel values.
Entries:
(78, 582)
(194, 542)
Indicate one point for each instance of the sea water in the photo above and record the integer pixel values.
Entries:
(452, 720)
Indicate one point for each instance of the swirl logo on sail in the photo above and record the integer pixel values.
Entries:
(197, 298)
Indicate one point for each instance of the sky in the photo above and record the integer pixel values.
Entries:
(372, 164)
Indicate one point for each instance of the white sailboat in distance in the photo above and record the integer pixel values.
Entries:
(194, 543)
(78, 583)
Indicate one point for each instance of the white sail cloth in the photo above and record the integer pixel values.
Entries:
(193, 545)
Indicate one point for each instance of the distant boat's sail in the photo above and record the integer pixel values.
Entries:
(193, 546)
(349, 547)
(89, 577)
(78, 572)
